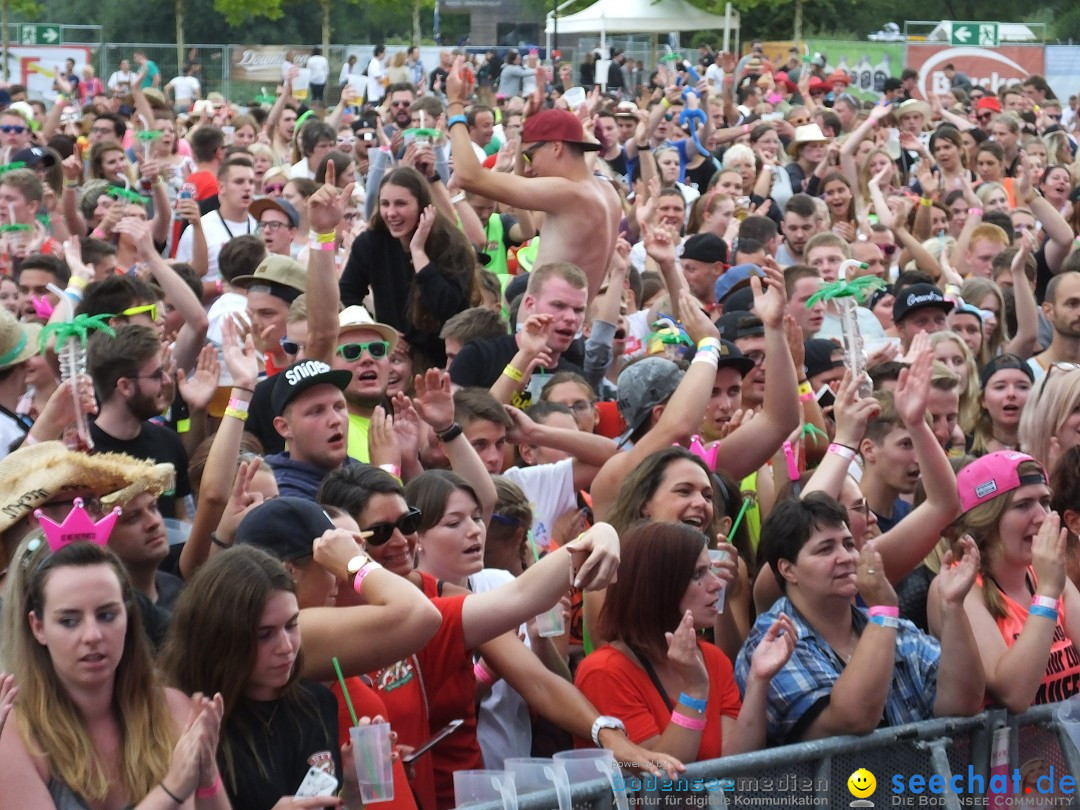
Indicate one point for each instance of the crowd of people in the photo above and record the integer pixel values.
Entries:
(772, 395)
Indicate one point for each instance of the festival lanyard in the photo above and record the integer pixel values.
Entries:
(247, 224)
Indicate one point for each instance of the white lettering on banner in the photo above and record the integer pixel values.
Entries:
(251, 60)
(1000, 70)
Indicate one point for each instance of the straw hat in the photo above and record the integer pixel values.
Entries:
(807, 133)
(34, 475)
(914, 106)
(18, 341)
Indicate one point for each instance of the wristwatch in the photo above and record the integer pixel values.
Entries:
(605, 721)
(354, 565)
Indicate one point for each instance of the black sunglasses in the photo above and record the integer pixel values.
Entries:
(409, 523)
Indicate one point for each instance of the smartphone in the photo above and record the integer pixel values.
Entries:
(445, 731)
(825, 397)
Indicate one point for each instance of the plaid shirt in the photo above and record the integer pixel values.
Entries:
(808, 677)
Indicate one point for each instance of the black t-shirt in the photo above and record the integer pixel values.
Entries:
(620, 166)
(289, 738)
(158, 445)
(260, 421)
(699, 176)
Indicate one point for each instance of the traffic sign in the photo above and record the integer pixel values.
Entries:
(984, 35)
(34, 34)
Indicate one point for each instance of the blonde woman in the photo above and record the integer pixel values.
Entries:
(952, 352)
(1050, 422)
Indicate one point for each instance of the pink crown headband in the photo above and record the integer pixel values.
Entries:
(77, 527)
(708, 455)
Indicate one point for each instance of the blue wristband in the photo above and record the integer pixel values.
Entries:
(693, 703)
(885, 621)
(1045, 612)
(457, 119)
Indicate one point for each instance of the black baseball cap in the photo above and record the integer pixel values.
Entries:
(285, 527)
(740, 324)
(919, 296)
(705, 247)
(818, 356)
(301, 376)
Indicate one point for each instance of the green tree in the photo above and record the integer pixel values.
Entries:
(24, 8)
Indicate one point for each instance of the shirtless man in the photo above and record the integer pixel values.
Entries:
(582, 222)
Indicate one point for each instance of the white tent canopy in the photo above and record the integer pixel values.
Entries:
(642, 17)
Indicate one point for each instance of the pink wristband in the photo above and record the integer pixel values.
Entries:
(210, 792)
(365, 569)
(680, 719)
(482, 675)
(843, 451)
(239, 404)
(313, 245)
(1045, 601)
(885, 610)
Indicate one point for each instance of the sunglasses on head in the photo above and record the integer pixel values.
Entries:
(378, 349)
(409, 523)
(151, 309)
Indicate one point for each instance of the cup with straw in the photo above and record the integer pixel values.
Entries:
(550, 623)
(372, 753)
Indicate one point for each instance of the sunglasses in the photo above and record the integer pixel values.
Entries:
(409, 523)
(527, 154)
(400, 103)
(1066, 367)
(18, 129)
(290, 347)
(346, 141)
(275, 189)
(152, 309)
(984, 116)
(669, 116)
(378, 349)
(888, 249)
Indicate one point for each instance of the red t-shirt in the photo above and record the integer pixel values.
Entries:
(617, 686)
(407, 686)
(367, 703)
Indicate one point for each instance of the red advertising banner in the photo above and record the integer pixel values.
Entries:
(990, 67)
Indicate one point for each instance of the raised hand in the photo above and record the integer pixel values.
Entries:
(1047, 553)
(198, 389)
(770, 295)
(852, 413)
(434, 401)
(241, 501)
(595, 557)
(8, 692)
(423, 229)
(239, 350)
(959, 567)
(775, 648)
(913, 388)
(684, 656)
(382, 442)
(327, 205)
(873, 585)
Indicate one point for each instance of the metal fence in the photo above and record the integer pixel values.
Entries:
(815, 774)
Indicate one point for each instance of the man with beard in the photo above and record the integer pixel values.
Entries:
(133, 386)
(1062, 308)
(311, 416)
(401, 98)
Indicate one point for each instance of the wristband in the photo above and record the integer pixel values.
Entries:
(219, 286)
(450, 433)
(711, 358)
(459, 197)
(71, 184)
(209, 792)
(697, 704)
(170, 794)
(665, 103)
(393, 469)
(1045, 612)
(926, 202)
(710, 343)
(513, 373)
(239, 404)
(321, 246)
(457, 119)
(482, 674)
(97, 233)
(886, 621)
(217, 541)
(237, 414)
(806, 391)
(885, 610)
(314, 236)
(680, 719)
(975, 212)
(365, 569)
(74, 293)
(1045, 601)
(843, 451)
(75, 281)
(746, 129)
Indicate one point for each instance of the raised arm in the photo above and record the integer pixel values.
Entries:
(589, 451)
(1026, 340)
(325, 209)
(960, 678)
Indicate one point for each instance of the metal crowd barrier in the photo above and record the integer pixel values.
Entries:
(815, 773)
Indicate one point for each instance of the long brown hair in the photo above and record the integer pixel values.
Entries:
(48, 719)
(446, 245)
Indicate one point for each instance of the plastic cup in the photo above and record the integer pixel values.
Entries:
(575, 97)
(586, 765)
(482, 787)
(550, 623)
(374, 766)
(717, 556)
(1068, 714)
(531, 774)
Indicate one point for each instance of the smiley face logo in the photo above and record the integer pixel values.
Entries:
(861, 783)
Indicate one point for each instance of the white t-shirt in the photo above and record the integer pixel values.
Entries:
(869, 326)
(11, 431)
(715, 74)
(550, 490)
(318, 69)
(375, 75)
(185, 88)
(217, 231)
(503, 728)
(222, 307)
(121, 80)
(301, 169)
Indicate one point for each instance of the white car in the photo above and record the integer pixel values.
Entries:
(890, 32)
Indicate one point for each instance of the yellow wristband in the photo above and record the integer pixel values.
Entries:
(805, 388)
(926, 201)
(75, 281)
(322, 238)
(665, 103)
(513, 373)
(236, 414)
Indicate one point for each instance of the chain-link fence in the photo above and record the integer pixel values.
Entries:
(213, 60)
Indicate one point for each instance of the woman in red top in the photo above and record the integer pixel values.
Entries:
(676, 694)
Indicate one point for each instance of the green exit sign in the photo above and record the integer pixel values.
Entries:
(39, 34)
(985, 35)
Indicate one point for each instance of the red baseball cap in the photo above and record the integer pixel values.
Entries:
(988, 103)
(556, 125)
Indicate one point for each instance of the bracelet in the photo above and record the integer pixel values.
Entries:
(975, 212)
(644, 146)
(75, 281)
(435, 178)
(74, 293)
(242, 388)
(97, 233)
(843, 451)
(459, 197)
(237, 414)
(710, 343)
(806, 391)
(450, 433)
(209, 792)
(746, 129)
(321, 246)
(314, 236)
(393, 469)
(71, 184)
(1045, 601)
(513, 373)
(456, 119)
(885, 621)
(365, 569)
(692, 723)
(482, 674)
(884, 610)
(1045, 612)
(170, 794)
(217, 541)
(697, 704)
(711, 358)
(665, 103)
(768, 167)
(926, 202)
(239, 404)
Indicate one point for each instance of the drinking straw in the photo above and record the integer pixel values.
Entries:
(532, 547)
(739, 517)
(345, 692)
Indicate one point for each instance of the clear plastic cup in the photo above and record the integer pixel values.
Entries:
(531, 774)
(575, 97)
(717, 556)
(586, 765)
(551, 623)
(482, 787)
(374, 765)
